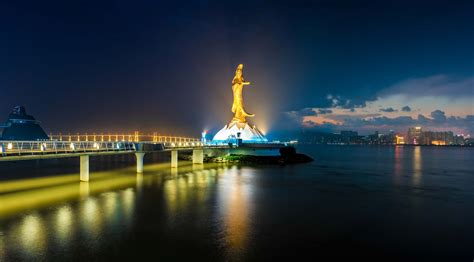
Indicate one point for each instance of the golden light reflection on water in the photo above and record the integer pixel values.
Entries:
(139, 181)
(128, 204)
(84, 189)
(235, 198)
(2, 246)
(91, 219)
(64, 224)
(27, 236)
(37, 195)
(398, 165)
(189, 188)
(88, 210)
(110, 206)
(417, 166)
(31, 235)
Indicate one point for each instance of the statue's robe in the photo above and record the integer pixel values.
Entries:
(238, 105)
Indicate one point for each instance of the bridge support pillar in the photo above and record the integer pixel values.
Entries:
(140, 156)
(84, 175)
(174, 158)
(198, 156)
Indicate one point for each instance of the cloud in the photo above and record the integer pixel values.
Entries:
(438, 116)
(388, 110)
(437, 103)
(437, 85)
(292, 119)
(323, 111)
(347, 103)
(406, 109)
(423, 119)
(306, 112)
(380, 122)
(437, 121)
(341, 119)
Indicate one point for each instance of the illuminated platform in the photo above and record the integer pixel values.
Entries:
(244, 131)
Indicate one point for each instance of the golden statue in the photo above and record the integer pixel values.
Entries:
(238, 84)
(238, 128)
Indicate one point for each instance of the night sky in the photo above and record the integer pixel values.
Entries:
(108, 66)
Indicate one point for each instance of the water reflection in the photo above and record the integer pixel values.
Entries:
(64, 224)
(29, 231)
(235, 196)
(2, 246)
(90, 219)
(398, 163)
(139, 181)
(128, 205)
(62, 218)
(30, 236)
(84, 189)
(417, 166)
(187, 190)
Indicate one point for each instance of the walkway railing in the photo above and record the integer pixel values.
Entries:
(22, 148)
(135, 137)
(25, 148)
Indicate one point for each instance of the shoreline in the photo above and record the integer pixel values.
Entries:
(403, 145)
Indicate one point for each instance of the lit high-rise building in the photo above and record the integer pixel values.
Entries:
(414, 135)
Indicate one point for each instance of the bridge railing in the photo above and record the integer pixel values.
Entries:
(135, 137)
(171, 145)
(21, 148)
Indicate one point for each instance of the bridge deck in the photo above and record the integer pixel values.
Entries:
(30, 150)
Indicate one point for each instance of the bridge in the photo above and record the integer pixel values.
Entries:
(84, 146)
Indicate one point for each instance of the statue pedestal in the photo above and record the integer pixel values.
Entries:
(235, 130)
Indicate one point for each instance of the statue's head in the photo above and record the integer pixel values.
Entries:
(238, 72)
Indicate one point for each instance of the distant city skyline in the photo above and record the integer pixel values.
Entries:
(413, 136)
(399, 107)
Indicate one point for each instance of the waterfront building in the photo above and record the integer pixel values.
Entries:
(349, 137)
(399, 140)
(414, 135)
(21, 126)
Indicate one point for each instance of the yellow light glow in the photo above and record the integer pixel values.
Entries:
(64, 222)
(10, 146)
(72, 146)
(32, 235)
(417, 166)
(400, 140)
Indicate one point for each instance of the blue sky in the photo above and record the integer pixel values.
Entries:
(322, 65)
